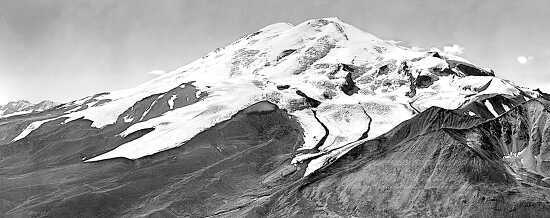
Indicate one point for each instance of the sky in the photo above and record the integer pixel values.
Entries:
(67, 49)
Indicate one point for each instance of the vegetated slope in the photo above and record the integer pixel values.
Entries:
(235, 162)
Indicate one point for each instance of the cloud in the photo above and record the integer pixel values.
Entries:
(524, 59)
(542, 85)
(414, 48)
(453, 49)
(545, 88)
(157, 72)
(3, 100)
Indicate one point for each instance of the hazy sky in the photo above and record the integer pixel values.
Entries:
(67, 49)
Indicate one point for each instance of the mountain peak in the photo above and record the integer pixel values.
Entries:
(23, 106)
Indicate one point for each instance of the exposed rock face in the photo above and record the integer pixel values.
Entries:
(524, 138)
(317, 119)
(349, 86)
(423, 81)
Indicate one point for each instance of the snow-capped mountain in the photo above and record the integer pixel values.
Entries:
(337, 76)
(21, 107)
(327, 95)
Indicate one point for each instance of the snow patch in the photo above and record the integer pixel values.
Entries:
(490, 107)
(17, 113)
(506, 108)
(178, 126)
(31, 127)
(128, 118)
(313, 130)
(171, 101)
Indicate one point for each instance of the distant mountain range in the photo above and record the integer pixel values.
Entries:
(318, 119)
(23, 107)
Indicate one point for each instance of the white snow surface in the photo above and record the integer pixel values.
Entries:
(308, 57)
(506, 108)
(313, 130)
(490, 107)
(31, 127)
(171, 101)
(16, 113)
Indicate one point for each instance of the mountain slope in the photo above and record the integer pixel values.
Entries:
(288, 121)
(460, 167)
(215, 167)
